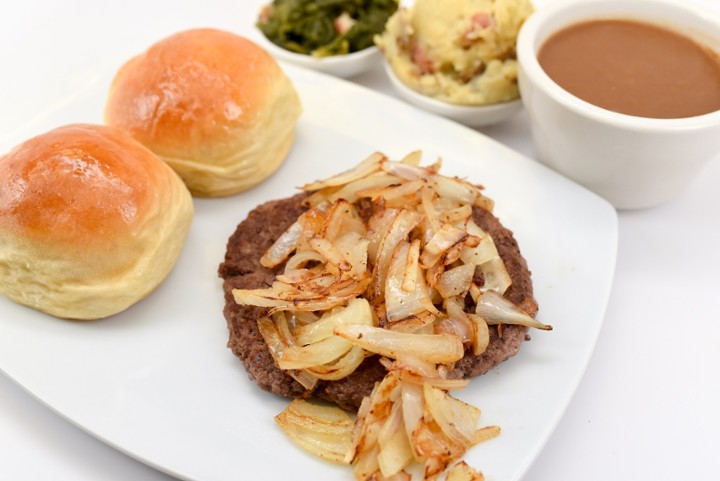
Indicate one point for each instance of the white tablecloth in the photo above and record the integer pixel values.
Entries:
(648, 406)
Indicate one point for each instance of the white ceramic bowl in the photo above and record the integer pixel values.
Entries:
(469, 115)
(633, 162)
(338, 65)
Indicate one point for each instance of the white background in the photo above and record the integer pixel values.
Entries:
(647, 407)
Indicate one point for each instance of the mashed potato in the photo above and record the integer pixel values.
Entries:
(457, 51)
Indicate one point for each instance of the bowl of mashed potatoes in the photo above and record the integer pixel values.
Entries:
(457, 57)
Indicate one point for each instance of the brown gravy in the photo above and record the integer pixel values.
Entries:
(634, 68)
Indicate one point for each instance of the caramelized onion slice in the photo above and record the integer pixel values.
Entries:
(483, 251)
(432, 216)
(463, 472)
(461, 192)
(353, 248)
(358, 311)
(393, 191)
(363, 169)
(367, 467)
(399, 230)
(358, 188)
(438, 348)
(413, 158)
(438, 450)
(341, 368)
(305, 378)
(270, 335)
(413, 370)
(482, 333)
(341, 219)
(496, 276)
(330, 252)
(258, 297)
(412, 364)
(373, 412)
(325, 431)
(456, 281)
(457, 215)
(458, 318)
(422, 323)
(412, 267)
(399, 303)
(456, 418)
(302, 258)
(378, 226)
(395, 449)
(445, 239)
(486, 433)
(298, 300)
(283, 246)
(321, 352)
(495, 309)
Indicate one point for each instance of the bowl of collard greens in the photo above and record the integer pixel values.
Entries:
(333, 36)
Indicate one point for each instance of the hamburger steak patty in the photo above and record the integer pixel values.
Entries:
(242, 270)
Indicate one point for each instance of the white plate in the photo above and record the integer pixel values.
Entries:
(158, 383)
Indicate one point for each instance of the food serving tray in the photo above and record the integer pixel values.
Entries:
(158, 383)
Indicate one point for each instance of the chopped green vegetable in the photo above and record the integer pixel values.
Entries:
(325, 27)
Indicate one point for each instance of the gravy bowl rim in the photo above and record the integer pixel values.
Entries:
(564, 13)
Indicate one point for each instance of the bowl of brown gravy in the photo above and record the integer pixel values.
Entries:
(623, 95)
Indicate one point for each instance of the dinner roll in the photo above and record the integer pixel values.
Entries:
(215, 106)
(90, 221)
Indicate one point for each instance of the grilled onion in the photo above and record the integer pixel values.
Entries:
(400, 303)
(366, 167)
(495, 309)
(358, 311)
(463, 472)
(402, 423)
(438, 348)
(325, 431)
(387, 261)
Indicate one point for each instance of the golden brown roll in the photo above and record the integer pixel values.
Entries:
(90, 221)
(215, 106)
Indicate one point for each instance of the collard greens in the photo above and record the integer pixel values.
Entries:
(309, 26)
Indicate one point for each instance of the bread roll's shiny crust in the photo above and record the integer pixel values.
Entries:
(90, 221)
(215, 106)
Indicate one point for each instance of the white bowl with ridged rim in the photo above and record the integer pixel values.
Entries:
(344, 66)
(470, 115)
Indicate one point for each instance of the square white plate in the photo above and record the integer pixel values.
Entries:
(158, 383)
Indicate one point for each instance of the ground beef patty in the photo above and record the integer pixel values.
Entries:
(242, 270)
